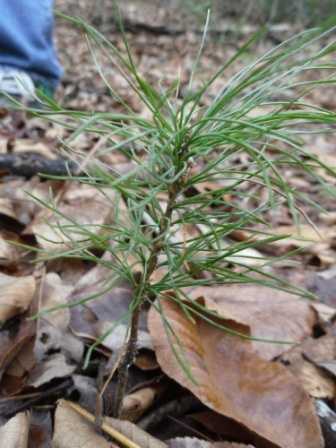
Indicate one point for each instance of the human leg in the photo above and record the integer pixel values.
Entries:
(26, 40)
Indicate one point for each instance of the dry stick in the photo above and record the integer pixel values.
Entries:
(41, 397)
(131, 348)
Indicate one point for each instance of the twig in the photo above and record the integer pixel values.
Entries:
(41, 397)
(29, 165)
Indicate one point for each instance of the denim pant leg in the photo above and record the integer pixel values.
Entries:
(26, 39)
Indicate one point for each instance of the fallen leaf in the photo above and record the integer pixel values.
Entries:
(23, 362)
(25, 145)
(41, 428)
(234, 381)
(324, 312)
(53, 331)
(124, 432)
(14, 434)
(16, 295)
(271, 314)
(13, 340)
(56, 232)
(86, 388)
(135, 404)
(310, 363)
(6, 208)
(9, 254)
(55, 366)
(134, 434)
(111, 305)
(71, 430)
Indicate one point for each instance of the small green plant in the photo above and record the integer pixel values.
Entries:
(180, 147)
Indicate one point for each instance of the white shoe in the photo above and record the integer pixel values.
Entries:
(16, 82)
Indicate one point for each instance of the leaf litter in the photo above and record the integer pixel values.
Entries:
(247, 392)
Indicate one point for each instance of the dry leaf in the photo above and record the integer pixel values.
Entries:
(124, 432)
(23, 362)
(53, 331)
(134, 433)
(71, 430)
(86, 388)
(109, 306)
(25, 145)
(310, 361)
(45, 371)
(41, 429)
(82, 205)
(324, 312)
(234, 381)
(14, 434)
(6, 208)
(12, 343)
(134, 405)
(16, 293)
(9, 254)
(271, 314)
(314, 381)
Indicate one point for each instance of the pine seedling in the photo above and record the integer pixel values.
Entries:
(181, 146)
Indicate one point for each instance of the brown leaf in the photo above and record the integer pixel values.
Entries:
(109, 306)
(12, 344)
(9, 254)
(53, 332)
(234, 381)
(6, 208)
(14, 434)
(41, 427)
(140, 437)
(309, 363)
(71, 430)
(124, 432)
(45, 371)
(135, 404)
(23, 362)
(82, 205)
(16, 295)
(25, 145)
(324, 312)
(271, 314)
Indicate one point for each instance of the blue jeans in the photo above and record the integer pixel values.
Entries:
(26, 40)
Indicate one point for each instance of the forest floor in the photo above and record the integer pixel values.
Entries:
(250, 394)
